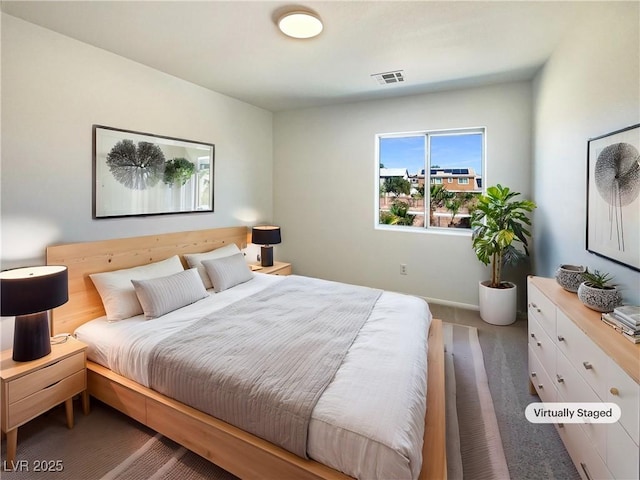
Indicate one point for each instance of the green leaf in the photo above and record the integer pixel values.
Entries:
(497, 223)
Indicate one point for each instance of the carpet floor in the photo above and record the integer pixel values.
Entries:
(533, 451)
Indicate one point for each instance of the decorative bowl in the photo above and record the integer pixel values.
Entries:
(570, 277)
(599, 299)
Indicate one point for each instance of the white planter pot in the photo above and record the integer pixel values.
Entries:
(498, 306)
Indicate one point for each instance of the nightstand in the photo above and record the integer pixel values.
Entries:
(29, 389)
(278, 268)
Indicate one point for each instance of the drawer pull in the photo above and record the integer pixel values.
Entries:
(587, 365)
(539, 344)
(533, 335)
(614, 391)
(586, 472)
(560, 338)
(533, 374)
(536, 307)
(560, 379)
(52, 385)
(540, 386)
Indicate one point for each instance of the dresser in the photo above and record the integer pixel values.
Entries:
(575, 357)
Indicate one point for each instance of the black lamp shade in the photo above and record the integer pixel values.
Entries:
(265, 235)
(33, 289)
(28, 294)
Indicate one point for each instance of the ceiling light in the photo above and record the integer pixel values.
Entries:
(300, 24)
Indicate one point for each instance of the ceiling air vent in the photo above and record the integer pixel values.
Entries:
(387, 78)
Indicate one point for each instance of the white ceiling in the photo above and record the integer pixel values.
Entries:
(235, 48)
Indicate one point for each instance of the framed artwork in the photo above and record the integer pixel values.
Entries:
(613, 196)
(137, 173)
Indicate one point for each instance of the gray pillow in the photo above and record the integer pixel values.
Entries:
(117, 293)
(166, 294)
(227, 272)
(194, 260)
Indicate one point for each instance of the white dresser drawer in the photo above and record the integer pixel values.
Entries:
(543, 346)
(623, 455)
(540, 379)
(589, 464)
(573, 388)
(542, 309)
(624, 392)
(588, 359)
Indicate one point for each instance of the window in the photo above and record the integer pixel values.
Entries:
(409, 162)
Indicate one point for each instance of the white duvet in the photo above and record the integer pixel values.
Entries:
(368, 423)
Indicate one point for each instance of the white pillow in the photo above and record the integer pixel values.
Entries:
(194, 260)
(166, 294)
(228, 272)
(117, 292)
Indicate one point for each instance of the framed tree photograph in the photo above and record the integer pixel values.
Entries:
(137, 173)
(613, 196)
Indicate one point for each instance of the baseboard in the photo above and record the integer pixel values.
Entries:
(448, 303)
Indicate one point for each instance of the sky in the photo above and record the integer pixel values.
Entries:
(447, 151)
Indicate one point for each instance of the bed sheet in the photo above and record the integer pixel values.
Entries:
(368, 423)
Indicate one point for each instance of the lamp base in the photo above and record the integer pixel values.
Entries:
(31, 338)
(266, 256)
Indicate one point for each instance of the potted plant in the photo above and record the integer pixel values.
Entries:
(570, 277)
(499, 223)
(598, 293)
(178, 171)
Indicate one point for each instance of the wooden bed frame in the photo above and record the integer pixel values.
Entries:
(234, 450)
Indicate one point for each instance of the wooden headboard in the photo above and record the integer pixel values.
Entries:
(83, 259)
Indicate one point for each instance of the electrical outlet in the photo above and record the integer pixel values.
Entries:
(403, 269)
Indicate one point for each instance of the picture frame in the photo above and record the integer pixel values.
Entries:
(613, 196)
(140, 174)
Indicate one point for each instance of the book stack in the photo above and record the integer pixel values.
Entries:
(626, 320)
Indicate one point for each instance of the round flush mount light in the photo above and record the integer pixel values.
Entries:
(300, 24)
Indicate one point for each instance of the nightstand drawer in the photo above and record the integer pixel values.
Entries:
(24, 410)
(29, 384)
(283, 271)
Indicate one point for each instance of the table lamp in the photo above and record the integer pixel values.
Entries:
(28, 294)
(266, 235)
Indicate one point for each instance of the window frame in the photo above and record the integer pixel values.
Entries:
(428, 134)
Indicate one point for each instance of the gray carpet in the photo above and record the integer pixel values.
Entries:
(103, 445)
(533, 451)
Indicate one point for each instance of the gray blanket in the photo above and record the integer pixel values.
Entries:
(262, 363)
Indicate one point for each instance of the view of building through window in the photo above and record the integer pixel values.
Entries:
(430, 179)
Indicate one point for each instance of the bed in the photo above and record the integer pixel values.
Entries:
(232, 448)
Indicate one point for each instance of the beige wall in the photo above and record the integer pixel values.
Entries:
(332, 150)
(589, 87)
